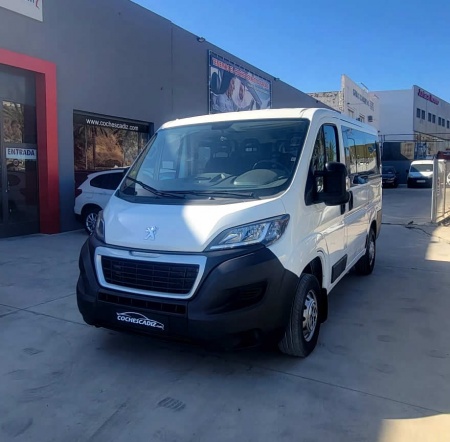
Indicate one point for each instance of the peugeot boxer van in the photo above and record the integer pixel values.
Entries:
(235, 227)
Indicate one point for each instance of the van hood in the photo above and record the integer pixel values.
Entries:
(179, 228)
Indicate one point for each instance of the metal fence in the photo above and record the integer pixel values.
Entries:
(440, 203)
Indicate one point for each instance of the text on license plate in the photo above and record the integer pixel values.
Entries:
(420, 181)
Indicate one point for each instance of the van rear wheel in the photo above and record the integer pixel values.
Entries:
(366, 264)
(302, 331)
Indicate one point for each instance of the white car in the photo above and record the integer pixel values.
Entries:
(94, 193)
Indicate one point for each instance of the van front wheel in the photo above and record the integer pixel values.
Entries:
(366, 264)
(302, 331)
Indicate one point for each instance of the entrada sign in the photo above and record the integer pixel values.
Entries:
(18, 153)
(427, 96)
(30, 8)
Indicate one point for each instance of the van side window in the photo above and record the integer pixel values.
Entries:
(326, 149)
(362, 156)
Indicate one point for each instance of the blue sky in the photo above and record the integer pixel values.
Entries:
(385, 44)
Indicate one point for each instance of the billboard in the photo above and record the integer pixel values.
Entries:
(30, 8)
(233, 88)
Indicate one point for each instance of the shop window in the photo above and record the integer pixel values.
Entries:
(102, 142)
(19, 123)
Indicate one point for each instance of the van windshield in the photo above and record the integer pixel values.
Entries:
(422, 168)
(232, 159)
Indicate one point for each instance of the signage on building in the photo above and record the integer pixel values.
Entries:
(18, 153)
(234, 88)
(30, 8)
(427, 96)
(362, 98)
(91, 120)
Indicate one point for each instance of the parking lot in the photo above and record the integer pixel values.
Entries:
(381, 371)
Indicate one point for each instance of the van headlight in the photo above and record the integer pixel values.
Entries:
(99, 231)
(265, 232)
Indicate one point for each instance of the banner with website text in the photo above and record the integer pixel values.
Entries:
(233, 88)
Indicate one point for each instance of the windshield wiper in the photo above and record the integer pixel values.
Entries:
(217, 193)
(156, 192)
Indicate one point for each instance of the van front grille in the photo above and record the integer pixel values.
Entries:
(150, 276)
(161, 307)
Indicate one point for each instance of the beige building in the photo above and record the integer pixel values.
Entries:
(352, 100)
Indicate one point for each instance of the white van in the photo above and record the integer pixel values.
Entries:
(420, 173)
(235, 227)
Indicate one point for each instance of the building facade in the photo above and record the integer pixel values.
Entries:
(83, 86)
(414, 124)
(352, 100)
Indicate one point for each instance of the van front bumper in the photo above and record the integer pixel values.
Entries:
(422, 181)
(244, 295)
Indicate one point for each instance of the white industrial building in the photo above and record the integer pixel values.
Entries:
(353, 100)
(414, 124)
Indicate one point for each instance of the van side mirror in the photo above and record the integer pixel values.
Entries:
(334, 185)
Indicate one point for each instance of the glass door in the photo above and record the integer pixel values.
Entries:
(19, 197)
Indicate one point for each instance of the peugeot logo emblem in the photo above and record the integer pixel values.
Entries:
(151, 233)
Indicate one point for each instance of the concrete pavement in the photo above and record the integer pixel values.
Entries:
(381, 371)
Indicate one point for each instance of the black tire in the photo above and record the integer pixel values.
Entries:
(300, 337)
(90, 218)
(395, 184)
(366, 264)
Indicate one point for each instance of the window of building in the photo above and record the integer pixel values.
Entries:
(423, 115)
(102, 142)
(429, 117)
(19, 123)
(370, 119)
(418, 113)
(439, 121)
(448, 124)
(434, 118)
(361, 118)
(351, 113)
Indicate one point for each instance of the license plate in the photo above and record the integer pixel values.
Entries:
(147, 321)
(420, 181)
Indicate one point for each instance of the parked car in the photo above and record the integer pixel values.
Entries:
(94, 193)
(390, 176)
(420, 173)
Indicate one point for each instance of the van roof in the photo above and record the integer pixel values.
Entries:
(267, 114)
(422, 162)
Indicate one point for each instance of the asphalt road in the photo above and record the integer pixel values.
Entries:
(381, 371)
